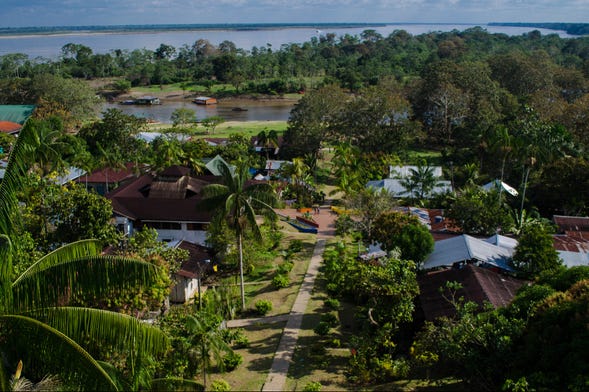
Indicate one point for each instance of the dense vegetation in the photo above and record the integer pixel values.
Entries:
(485, 106)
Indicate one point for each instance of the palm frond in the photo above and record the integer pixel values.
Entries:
(5, 273)
(250, 215)
(75, 250)
(214, 190)
(49, 351)
(107, 328)
(13, 177)
(96, 275)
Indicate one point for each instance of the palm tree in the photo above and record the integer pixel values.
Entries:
(421, 182)
(37, 325)
(237, 203)
(208, 338)
(268, 140)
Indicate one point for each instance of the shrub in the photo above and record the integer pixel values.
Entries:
(263, 306)
(330, 319)
(280, 281)
(312, 386)
(322, 328)
(231, 361)
(285, 267)
(295, 246)
(235, 337)
(220, 385)
(332, 303)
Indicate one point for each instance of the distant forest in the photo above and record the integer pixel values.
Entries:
(570, 28)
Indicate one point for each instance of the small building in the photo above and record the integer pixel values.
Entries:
(190, 274)
(205, 100)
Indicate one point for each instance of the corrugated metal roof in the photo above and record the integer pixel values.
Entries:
(571, 223)
(465, 248)
(16, 113)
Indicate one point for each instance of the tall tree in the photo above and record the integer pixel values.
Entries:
(236, 201)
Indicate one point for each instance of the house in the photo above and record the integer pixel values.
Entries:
(393, 184)
(479, 285)
(168, 202)
(406, 171)
(13, 117)
(494, 252)
(572, 240)
(205, 100)
(394, 187)
(106, 180)
(189, 276)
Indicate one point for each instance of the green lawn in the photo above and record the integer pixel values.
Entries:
(226, 129)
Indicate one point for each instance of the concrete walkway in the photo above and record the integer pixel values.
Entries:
(282, 359)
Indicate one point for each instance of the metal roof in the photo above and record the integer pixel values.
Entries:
(16, 113)
(465, 248)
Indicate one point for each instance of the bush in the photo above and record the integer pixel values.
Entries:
(235, 337)
(312, 386)
(280, 281)
(295, 246)
(263, 306)
(322, 328)
(330, 319)
(220, 385)
(285, 267)
(231, 361)
(332, 303)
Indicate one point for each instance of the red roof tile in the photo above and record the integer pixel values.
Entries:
(9, 127)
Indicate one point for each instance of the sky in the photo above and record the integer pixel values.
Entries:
(24, 13)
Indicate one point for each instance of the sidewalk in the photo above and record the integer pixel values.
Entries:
(279, 370)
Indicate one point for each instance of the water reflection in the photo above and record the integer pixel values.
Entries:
(234, 110)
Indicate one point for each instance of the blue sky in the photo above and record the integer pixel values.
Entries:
(19, 13)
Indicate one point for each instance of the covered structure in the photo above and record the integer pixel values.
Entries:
(494, 252)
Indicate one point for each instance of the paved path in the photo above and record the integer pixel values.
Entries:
(279, 370)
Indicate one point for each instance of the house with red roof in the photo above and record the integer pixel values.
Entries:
(108, 179)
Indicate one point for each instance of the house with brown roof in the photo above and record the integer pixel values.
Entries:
(189, 276)
(478, 284)
(168, 202)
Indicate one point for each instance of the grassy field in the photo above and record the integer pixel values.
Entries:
(226, 129)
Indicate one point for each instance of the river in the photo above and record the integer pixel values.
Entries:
(251, 110)
(49, 46)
